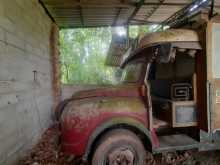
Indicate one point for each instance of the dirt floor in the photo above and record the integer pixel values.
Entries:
(47, 152)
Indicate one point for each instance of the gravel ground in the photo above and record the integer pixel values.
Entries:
(47, 152)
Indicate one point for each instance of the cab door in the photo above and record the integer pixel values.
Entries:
(213, 73)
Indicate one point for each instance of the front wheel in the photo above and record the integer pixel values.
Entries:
(120, 147)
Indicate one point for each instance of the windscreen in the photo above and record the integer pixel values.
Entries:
(132, 72)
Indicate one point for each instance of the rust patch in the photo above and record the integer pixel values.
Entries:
(122, 104)
(78, 112)
(116, 91)
(82, 111)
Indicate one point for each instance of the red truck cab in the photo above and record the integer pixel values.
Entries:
(157, 107)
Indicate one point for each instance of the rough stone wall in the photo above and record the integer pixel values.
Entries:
(25, 76)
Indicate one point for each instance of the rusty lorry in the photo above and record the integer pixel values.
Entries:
(168, 100)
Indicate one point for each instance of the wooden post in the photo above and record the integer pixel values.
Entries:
(56, 73)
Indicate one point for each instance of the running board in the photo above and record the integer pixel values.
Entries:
(176, 143)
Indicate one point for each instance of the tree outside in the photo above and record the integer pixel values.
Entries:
(83, 55)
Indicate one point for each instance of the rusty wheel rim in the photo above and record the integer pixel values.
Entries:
(121, 156)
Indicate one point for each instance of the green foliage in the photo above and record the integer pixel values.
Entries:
(135, 30)
(83, 53)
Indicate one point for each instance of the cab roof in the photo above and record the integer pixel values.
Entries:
(170, 35)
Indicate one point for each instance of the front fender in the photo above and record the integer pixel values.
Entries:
(85, 119)
(124, 121)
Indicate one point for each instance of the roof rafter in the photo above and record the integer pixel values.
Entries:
(137, 8)
(116, 17)
(69, 3)
(93, 13)
(81, 16)
(164, 4)
(118, 14)
(81, 12)
(139, 21)
(154, 9)
(186, 11)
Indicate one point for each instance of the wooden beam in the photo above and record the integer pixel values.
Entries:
(164, 4)
(118, 13)
(67, 26)
(81, 16)
(154, 9)
(46, 10)
(138, 6)
(116, 17)
(139, 21)
(181, 14)
(211, 13)
(69, 3)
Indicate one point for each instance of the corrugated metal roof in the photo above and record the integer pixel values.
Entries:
(217, 6)
(93, 13)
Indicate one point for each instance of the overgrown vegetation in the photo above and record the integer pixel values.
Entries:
(83, 54)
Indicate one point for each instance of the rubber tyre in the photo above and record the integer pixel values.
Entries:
(116, 139)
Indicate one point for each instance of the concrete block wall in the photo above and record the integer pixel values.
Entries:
(25, 77)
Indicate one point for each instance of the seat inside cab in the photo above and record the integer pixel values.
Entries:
(173, 91)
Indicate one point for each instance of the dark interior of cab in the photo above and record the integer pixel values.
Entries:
(173, 89)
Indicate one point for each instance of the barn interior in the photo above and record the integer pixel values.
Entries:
(30, 86)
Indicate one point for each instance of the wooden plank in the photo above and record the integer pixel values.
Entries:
(183, 115)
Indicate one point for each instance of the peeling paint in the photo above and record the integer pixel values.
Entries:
(78, 111)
